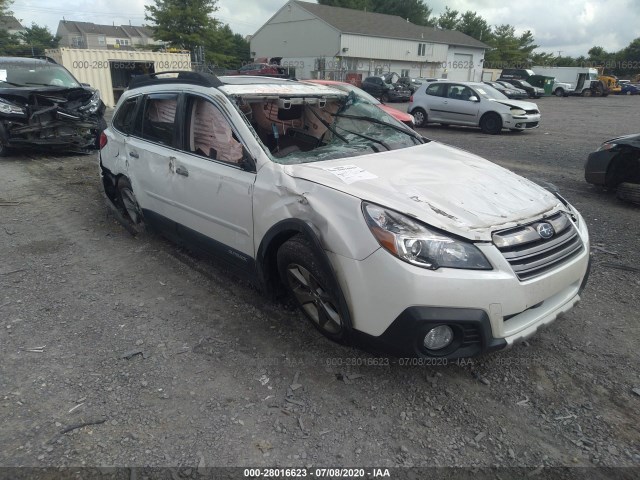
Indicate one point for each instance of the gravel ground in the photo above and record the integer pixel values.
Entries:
(172, 361)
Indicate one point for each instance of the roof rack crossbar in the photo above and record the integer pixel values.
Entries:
(183, 76)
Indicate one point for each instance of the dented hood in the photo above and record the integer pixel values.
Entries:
(443, 186)
(518, 104)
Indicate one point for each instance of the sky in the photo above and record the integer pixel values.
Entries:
(571, 27)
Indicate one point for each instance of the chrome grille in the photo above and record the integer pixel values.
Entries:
(531, 255)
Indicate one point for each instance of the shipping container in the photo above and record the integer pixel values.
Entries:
(110, 70)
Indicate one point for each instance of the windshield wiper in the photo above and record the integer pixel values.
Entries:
(366, 137)
(326, 124)
(381, 122)
(12, 84)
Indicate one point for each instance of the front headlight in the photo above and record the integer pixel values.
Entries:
(93, 104)
(517, 112)
(10, 108)
(607, 146)
(417, 244)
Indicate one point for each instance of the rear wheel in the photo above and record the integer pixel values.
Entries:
(491, 123)
(559, 92)
(629, 192)
(131, 209)
(420, 117)
(313, 288)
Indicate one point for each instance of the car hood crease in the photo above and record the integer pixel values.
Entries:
(445, 187)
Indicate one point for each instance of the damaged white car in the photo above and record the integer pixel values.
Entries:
(384, 238)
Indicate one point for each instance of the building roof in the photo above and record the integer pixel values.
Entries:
(348, 20)
(122, 31)
(9, 22)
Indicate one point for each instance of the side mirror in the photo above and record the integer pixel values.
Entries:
(473, 98)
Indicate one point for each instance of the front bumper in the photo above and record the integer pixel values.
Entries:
(488, 310)
(521, 122)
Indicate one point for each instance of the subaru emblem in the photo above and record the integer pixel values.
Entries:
(545, 230)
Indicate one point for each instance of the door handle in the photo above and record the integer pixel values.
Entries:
(180, 170)
(134, 154)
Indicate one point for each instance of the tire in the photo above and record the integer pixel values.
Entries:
(559, 92)
(420, 117)
(384, 98)
(130, 208)
(4, 150)
(586, 93)
(629, 192)
(313, 288)
(491, 123)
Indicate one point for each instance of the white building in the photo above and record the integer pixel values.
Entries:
(320, 41)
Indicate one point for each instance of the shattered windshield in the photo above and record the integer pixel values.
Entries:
(303, 130)
(26, 74)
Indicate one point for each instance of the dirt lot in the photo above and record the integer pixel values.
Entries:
(177, 363)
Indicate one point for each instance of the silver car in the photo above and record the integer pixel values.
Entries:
(472, 104)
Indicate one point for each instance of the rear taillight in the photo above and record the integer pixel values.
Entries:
(103, 140)
(411, 98)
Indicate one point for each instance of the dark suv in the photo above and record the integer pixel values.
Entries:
(386, 92)
(42, 105)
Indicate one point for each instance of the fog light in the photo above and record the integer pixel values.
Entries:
(438, 337)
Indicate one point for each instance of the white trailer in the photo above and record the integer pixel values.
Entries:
(580, 78)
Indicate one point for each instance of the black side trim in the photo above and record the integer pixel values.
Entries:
(404, 336)
(239, 262)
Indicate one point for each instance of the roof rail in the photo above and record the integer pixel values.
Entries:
(183, 76)
(45, 57)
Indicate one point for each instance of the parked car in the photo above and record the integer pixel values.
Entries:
(519, 91)
(268, 69)
(42, 105)
(510, 91)
(533, 92)
(471, 104)
(364, 96)
(411, 84)
(386, 92)
(616, 165)
(629, 89)
(371, 228)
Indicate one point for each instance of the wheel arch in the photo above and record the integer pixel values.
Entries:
(266, 258)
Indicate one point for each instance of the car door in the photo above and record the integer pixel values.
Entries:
(149, 151)
(436, 101)
(458, 106)
(212, 183)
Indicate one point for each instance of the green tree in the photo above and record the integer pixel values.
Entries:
(36, 39)
(475, 26)
(183, 23)
(5, 5)
(509, 50)
(449, 19)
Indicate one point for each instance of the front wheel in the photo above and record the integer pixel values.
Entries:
(559, 92)
(313, 288)
(491, 123)
(420, 117)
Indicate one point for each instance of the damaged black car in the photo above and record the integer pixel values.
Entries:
(43, 106)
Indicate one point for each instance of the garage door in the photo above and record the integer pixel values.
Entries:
(460, 69)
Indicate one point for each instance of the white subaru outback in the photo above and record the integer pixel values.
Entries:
(384, 238)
